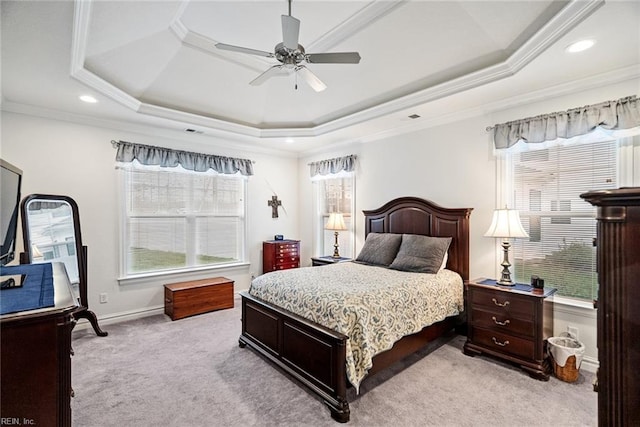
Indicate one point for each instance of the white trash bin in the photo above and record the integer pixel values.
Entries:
(566, 354)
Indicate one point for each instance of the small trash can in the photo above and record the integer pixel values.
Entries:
(566, 355)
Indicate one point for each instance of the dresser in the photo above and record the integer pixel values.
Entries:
(618, 304)
(35, 378)
(511, 323)
(280, 255)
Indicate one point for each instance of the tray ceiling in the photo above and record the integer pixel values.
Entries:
(155, 62)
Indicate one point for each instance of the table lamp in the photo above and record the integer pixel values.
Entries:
(506, 225)
(335, 223)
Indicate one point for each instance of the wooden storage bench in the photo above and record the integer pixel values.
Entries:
(185, 299)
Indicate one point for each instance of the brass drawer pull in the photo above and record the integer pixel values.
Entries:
(497, 322)
(501, 344)
(506, 303)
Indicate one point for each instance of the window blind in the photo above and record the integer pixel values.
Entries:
(546, 190)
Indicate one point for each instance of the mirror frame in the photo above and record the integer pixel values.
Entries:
(81, 252)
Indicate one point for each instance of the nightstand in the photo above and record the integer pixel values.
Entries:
(325, 260)
(511, 323)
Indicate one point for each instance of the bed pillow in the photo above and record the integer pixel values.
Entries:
(421, 254)
(380, 248)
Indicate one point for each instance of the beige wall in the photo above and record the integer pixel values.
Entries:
(77, 160)
(451, 164)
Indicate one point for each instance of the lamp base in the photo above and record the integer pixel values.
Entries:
(505, 283)
(505, 277)
(336, 254)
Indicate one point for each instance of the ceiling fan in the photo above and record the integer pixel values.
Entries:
(291, 55)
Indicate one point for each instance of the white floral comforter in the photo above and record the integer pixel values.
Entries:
(373, 306)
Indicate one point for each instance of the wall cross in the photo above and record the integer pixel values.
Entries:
(274, 203)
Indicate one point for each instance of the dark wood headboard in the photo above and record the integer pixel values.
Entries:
(412, 215)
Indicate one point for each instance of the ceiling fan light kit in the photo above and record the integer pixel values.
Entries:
(291, 54)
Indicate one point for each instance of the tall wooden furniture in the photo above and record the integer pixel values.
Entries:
(35, 379)
(618, 261)
(280, 255)
(510, 322)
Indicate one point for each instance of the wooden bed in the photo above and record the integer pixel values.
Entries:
(314, 354)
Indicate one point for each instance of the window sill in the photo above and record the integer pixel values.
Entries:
(574, 306)
(178, 275)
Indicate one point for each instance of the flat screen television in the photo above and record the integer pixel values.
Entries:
(10, 182)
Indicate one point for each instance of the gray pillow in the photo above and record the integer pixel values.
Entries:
(380, 248)
(421, 254)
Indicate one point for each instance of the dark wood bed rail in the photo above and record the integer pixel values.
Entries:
(316, 355)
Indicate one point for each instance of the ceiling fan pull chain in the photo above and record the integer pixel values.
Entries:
(296, 77)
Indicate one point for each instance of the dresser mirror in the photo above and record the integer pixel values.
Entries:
(51, 233)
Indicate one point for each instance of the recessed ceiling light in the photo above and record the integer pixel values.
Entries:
(88, 99)
(289, 140)
(580, 46)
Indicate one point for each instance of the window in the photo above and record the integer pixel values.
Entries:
(334, 194)
(545, 187)
(175, 219)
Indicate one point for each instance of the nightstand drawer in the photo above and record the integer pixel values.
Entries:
(504, 343)
(503, 302)
(502, 321)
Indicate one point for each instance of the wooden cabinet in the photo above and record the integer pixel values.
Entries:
(35, 379)
(511, 323)
(618, 255)
(280, 255)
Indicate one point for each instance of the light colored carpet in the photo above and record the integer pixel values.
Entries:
(191, 372)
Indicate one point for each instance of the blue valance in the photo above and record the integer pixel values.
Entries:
(166, 157)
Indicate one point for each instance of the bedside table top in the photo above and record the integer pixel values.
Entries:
(331, 259)
(518, 288)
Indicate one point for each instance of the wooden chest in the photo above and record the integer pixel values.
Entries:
(185, 299)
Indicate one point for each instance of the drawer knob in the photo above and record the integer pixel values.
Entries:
(506, 303)
(501, 344)
(497, 322)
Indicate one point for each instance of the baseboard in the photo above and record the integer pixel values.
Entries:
(589, 364)
(124, 316)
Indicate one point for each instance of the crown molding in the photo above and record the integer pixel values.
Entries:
(210, 139)
(565, 20)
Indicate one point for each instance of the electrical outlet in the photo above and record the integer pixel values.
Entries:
(573, 331)
(103, 298)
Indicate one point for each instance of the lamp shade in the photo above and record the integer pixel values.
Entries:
(335, 222)
(506, 223)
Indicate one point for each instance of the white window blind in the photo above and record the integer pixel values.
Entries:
(335, 194)
(174, 219)
(546, 188)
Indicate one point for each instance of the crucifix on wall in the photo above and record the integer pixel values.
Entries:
(274, 203)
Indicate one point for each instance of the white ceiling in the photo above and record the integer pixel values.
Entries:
(156, 62)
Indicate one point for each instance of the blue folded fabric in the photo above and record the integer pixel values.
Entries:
(36, 290)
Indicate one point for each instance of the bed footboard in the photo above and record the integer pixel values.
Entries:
(311, 353)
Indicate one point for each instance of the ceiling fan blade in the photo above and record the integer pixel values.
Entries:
(311, 79)
(276, 70)
(290, 32)
(244, 50)
(334, 58)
